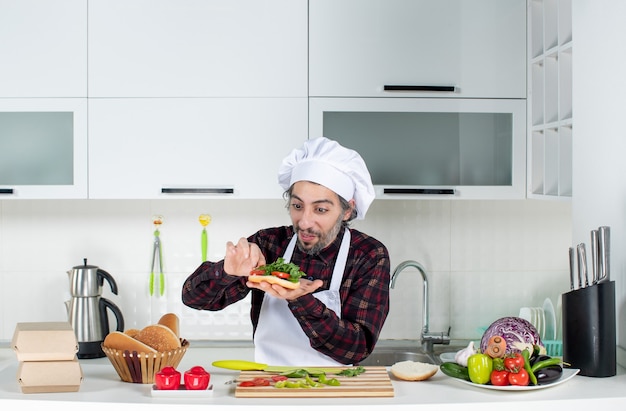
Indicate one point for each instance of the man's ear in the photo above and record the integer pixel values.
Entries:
(348, 213)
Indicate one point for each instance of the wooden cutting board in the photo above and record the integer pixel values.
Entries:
(374, 382)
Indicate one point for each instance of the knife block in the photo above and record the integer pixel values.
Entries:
(589, 338)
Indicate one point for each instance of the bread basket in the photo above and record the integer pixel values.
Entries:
(140, 367)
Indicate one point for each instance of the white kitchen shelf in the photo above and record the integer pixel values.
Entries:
(550, 120)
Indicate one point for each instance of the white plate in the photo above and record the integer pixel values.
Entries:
(548, 309)
(568, 374)
(181, 392)
(447, 356)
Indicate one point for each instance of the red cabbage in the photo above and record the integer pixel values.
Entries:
(517, 332)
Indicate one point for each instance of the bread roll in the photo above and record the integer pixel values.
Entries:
(131, 332)
(170, 320)
(413, 371)
(117, 340)
(159, 337)
(273, 280)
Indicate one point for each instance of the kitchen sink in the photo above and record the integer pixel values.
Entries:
(388, 357)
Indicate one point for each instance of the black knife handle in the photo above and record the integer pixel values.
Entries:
(6, 191)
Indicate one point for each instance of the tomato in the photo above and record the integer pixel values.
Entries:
(246, 384)
(499, 377)
(519, 378)
(277, 378)
(515, 363)
(256, 271)
(261, 382)
(280, 274)
(197, 378)
(479, 367)
(167, 379)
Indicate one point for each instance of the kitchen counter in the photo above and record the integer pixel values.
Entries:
(102, 389)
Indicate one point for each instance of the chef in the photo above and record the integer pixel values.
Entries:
(336, 314)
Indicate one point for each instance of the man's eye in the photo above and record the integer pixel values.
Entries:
(296, 206)
(321, 210)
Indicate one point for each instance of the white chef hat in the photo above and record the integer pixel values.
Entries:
(337, 168)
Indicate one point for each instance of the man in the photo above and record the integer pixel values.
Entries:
(336, 314)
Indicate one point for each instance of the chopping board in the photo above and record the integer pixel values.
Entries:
(374, 382)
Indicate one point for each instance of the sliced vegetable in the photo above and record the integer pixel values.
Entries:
(280, 266)
(352, 372)
(280, 274)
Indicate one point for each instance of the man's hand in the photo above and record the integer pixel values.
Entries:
(306, 287)
(241, 258)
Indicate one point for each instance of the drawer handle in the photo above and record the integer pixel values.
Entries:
(225, 190)
(430, 191)
(388, 87)
(6, 191)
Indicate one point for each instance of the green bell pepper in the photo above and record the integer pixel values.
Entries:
(479, 367)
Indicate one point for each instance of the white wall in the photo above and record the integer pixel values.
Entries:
(485, 259)
(599, 87)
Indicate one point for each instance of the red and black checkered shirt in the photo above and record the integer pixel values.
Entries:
(364, 292)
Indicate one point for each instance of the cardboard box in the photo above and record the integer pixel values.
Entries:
(49, 376)
(44, 341)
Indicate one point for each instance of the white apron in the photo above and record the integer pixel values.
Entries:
(279, 339)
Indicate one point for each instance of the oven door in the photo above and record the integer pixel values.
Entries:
(431, 148)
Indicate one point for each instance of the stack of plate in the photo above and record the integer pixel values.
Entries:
(536, 317)
(543, 318)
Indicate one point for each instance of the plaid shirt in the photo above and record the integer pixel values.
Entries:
(364, 292)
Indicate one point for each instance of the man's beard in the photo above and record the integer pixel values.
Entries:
(323, 239)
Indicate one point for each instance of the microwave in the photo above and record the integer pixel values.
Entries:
(418, 148)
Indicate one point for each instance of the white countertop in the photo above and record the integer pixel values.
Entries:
(102, 389)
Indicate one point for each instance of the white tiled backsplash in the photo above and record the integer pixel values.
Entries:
(485, 259)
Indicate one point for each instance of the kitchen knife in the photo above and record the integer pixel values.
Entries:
(595, 256)
(604, 253)
(582, 265)
(572, 264)
(242, 365)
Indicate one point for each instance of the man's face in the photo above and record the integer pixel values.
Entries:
(316, 215)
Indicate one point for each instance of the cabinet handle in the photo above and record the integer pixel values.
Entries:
(436, 191)
(197, 190)
(388, 87)
(6, 191)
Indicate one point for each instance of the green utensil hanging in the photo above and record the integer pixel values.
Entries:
(205, 220)
(157, 254)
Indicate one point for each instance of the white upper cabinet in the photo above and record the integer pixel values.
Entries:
(43, 48)
(197, 48)
(475, 48)
(43, 148)
(191, 148)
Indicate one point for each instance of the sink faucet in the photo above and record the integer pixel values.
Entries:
(427, 338)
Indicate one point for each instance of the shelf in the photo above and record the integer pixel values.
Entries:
(550, 134)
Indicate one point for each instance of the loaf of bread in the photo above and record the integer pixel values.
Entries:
(121, 341)
(413, 370)
(159, 337)
(170, 320)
